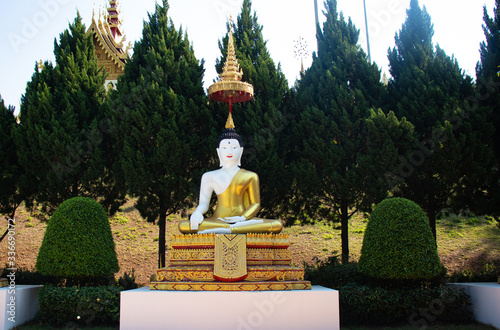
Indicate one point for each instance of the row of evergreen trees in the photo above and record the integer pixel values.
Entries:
(334, 144)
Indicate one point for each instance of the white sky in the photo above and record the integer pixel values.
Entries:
(28, 29)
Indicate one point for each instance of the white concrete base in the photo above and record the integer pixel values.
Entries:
(243, 310)
(18, 305)
(485, 299)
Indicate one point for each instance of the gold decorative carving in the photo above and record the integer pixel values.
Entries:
(253, 262)
(231, 286)
(230, 257)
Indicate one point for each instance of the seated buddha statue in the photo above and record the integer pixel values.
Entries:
(238, 196)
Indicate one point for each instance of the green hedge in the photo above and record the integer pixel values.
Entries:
(418, 307)
(398, 243)
(332, 274)
(79, 306)
(78, 242)
(24, 276)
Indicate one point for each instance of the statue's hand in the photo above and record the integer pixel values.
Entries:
(195, 219)
(234, 219)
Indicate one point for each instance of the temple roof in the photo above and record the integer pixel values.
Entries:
(105, 37)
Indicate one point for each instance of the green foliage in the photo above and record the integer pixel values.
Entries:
(342, 141)
(487, 92)
(25, 276)
(78, 243)
(363, 304)
(10, 170)
(160, 121)
(432, 92)
(75, 307)
(332, 274)
(398, 243)
(63, 138)
(127, 281)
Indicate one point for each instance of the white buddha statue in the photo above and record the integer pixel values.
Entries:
(238, 196)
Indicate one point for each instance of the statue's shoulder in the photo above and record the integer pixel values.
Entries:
(248, 174)
(210, 174)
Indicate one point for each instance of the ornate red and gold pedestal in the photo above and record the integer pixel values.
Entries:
(230, 262)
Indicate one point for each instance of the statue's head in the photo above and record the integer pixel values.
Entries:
(230, 148)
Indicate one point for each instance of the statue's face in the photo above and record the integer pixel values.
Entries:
(229, 152)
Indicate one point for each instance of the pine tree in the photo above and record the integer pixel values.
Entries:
(62, 138)
(10, 170)
(160, 122)
(430, 90)
(342, 145)
(487, 96)
(262, 121)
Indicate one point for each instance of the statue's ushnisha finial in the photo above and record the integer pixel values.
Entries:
(230, 89)
(230, 122)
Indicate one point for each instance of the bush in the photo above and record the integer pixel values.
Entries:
(79, 306)
(398, 244)
(332, 274)
(127, 282)
(78, 244)
(24, 276)
(419, 307)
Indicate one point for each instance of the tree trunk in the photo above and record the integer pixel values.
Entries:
(344, 235)
(162, 232)
(11, 217)
(431, 213)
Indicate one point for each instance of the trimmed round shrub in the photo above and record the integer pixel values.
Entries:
(78, 242)
(398, 243)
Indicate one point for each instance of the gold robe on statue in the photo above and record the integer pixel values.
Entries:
(241, 198)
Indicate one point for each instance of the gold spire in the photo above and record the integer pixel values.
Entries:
(230, 122)
(230, 89)
(231, 70)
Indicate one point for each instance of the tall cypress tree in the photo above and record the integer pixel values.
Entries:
(62, 138)
(262, 121)
(342, 145)
(10, 170)
(429, 89)
(488, 97)
(160, 121)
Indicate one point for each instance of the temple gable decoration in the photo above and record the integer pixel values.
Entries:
(108, 42)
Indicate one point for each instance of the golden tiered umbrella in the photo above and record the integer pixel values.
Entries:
(230, 89)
